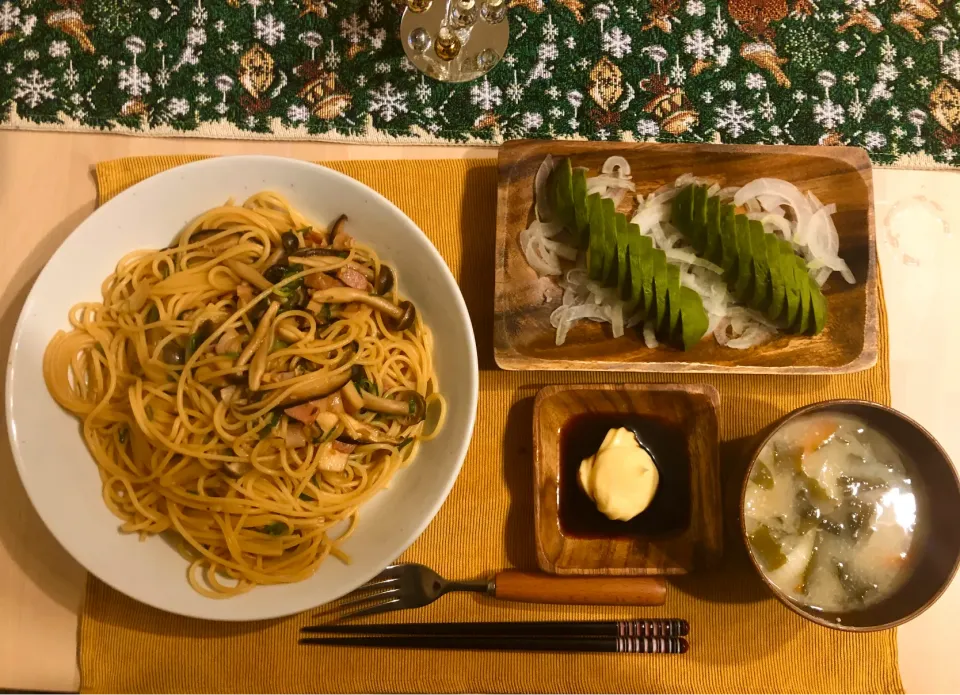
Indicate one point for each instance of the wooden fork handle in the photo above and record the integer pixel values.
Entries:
(531, 587)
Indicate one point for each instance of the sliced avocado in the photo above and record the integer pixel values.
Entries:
(562, 187)
(621, 259)
(681, 209)
(698, 223)
(580, 207)
(728, 240)
(787, 264)
(778, 288)
(800, 275)
(744, 281)
(608, 211)
(673, 297)
(660, 284)
(693, 318)
(646, 273)
(760, 299)
(818, 307)
(595, 241)
(713, 248)
(632, 293)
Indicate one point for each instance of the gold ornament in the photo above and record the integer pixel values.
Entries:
(606, 83)
(320, 94)
(332, 106)
(699, 66)
(134, 107)
(6, 36)
(661, 15)
(575, 6)
(765, 56)
(235, 4)
(670, 105)
(71, 22)
(535, 6)
(419, 6)
(256, 71)
(446, 45)
(945, 105)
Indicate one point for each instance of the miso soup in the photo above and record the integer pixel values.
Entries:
(830, 511)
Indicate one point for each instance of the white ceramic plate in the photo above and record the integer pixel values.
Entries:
(61, 477)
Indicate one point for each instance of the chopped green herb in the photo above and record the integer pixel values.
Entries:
(290, 287)
(122, 434)
(279, 345)
(272, 422)
(153, 315)
(164, 271)
(196, 339)
(192, 492)
(100, 349)
(232, 355)
(412, 406)
(277, 528)
(305, 497)
(149, 411)
(324, 315)
(405, 442)
(762, 477)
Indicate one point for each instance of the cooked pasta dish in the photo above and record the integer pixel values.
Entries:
(245, 390)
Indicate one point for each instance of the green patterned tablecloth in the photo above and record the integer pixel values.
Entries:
(880, 74)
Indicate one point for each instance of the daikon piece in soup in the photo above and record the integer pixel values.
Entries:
(830, 511)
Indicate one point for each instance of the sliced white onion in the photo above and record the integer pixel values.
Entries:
(617, 166)
(543, 207)
(649, 335)
(684, 256)
(599, 184)
(650, 215)
(778, 222)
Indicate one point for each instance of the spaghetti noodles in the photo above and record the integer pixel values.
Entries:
(246, 389)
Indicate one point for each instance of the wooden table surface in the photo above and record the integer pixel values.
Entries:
(47, 189)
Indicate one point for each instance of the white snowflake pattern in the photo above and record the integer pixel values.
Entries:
(647, 128)
(532, 121)
(234, 47)
(34, 89)
(59, 49)
(354, 29)
(775, 130)
(134, 81)
(8, 68)
(251, 121)
(361, 80)
(159, 44)
(31, 54)
(203, 99)
(873, 140)
(76, 99)
(550, 31)
(851, 78)
(553, 92)
(515, 91)
(388, 102)
(695, 8)
(574, 125)
(603, 134)
(178, 107)
(948, 155)
(570, 43)
(908, 62)
(375, 9)
(584, 63)
(221, 108)
(27, 24)
(923, 82)
(950, 64)
(331, 59)
(200, 79)
(843, 46)
(887, 72)
(269, 29)
(799, 96)
(298, 113)
(485, 95)
(71, 77)
(434, 128)
(555, 112)
(197, 36)
(857, 110)
(767, 109)
(9, 16)
(163, 77)
(707, 97)
(828, 114)
(199, 14)
(835, 16)
(728, 85)
(616, 42)
(429, 112)
(898, 132)
(698, 44)
(422, 91)
(154, 13)
(220, 26)
(677, 73)
(377, 38)
(755, 81)
(104, 62)
(718, 27)
(734, 119)
(894, 112)
(510, 59)
(382, 68)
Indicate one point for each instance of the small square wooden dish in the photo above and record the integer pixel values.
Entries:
(680, 531)
(525, 339)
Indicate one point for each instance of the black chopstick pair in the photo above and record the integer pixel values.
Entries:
(662, 636)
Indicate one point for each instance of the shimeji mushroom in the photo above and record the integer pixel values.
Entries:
(397, 317)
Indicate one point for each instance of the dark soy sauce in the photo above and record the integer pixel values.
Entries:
(669, 511)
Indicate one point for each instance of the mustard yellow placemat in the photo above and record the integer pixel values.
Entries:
(741, 639)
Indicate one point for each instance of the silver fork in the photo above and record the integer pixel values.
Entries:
(398, 587)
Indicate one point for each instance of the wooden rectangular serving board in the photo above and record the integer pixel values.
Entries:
(524, 338)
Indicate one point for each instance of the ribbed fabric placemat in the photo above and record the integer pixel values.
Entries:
(742, 640)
